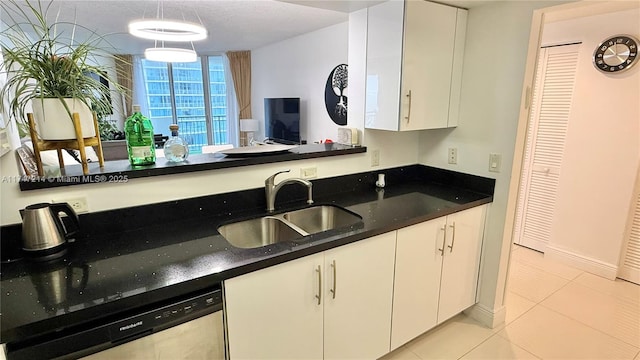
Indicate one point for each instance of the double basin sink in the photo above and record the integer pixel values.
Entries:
(292, 225)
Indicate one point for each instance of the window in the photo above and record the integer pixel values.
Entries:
(176, 94)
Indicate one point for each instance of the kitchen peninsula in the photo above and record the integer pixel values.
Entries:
(121, 170)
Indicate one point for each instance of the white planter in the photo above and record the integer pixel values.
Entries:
(53, 121)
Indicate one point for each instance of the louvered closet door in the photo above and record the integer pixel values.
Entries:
(630, 260)
(546, 133)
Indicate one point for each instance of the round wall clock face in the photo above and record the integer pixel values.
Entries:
(616, 54)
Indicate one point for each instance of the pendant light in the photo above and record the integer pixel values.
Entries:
(163, 54)
(167, 30)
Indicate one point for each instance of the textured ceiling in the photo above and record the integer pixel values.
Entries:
(232, 24)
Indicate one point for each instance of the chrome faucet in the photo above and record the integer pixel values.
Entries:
(271, 189)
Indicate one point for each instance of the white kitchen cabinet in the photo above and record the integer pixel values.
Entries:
(417, 280)
(461, 262)
(275, 313)
(436, 272)
(357, 322)
(414, 65)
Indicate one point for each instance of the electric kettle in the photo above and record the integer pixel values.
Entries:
(43, 230)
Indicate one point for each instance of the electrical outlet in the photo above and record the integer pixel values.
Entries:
(79, 204)
(453, 156)
(495, 161)
(375, 158)
(309, 173)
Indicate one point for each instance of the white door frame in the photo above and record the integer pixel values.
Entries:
(540, 16)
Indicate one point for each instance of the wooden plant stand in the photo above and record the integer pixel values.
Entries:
(78, 143)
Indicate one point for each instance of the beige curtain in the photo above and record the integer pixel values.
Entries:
(124, 72)
(240, 63)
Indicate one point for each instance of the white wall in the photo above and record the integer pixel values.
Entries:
(108, 62)
(602, 148)
(494, 65)
(299, 67)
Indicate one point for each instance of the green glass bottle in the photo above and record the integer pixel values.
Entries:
(140, 143)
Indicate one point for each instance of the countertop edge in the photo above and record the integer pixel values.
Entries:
(121, 171)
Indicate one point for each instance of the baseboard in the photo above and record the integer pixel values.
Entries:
(487, 317)
(582, 262)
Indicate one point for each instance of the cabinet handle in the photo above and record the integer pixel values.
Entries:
(453, 238)
(444, 239)
(319, 296)
(408, 117)
(333, 291)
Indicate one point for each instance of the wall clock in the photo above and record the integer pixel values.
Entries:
(616, 54)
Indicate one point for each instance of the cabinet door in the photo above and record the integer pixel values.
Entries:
(456, 75)
(461, 261)
(357, 320)
(429, 39)
(384, 58)
(274, 313)
(417, 280)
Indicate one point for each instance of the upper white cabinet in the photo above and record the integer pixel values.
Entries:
(333, 305)
(437, 264)
(414, 65)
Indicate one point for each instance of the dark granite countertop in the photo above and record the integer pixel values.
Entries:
(119, 265)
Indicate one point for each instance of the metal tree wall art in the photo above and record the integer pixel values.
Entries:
(334, 94)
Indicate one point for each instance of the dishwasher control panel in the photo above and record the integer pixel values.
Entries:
(145, 323)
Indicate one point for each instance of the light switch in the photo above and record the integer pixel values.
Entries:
(495, 161)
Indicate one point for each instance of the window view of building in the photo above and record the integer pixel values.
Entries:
(176, 94)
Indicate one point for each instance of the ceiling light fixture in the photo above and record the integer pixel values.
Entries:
(164, 54)
(167, 30)
(160, 29)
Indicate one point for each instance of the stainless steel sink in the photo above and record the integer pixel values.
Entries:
(258, 232)
(293, 225)
(321, 218)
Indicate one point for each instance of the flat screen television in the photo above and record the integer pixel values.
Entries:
(282, 120)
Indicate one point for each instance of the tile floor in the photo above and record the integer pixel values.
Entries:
(554, 311)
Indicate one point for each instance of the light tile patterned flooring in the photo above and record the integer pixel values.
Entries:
(554, 311)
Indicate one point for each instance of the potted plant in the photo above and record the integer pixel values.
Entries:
(114, 145)
(49, 69)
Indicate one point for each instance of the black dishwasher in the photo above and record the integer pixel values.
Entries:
(170, 330)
